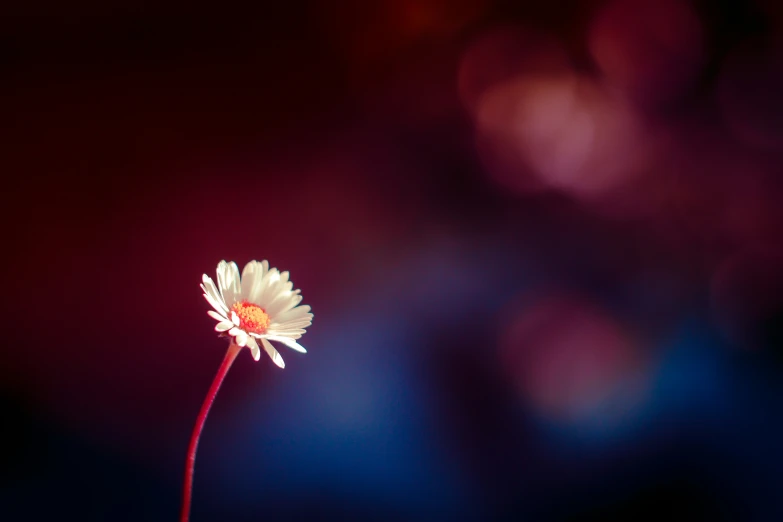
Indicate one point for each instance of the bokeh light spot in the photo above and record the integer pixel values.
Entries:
(565, 130)
(572, 361)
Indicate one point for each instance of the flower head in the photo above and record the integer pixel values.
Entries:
(261, 307)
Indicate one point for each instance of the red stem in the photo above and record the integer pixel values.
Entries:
(190, 462)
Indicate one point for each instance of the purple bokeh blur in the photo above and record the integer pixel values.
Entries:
(541, 242)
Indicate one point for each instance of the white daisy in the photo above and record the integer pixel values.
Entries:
(261, 307)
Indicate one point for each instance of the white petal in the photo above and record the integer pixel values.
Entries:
(216, 316)
(287, 327)
(282, 303)
(294, 314)
(263, 268)
(285, 287)
(295, 300)
(234, 318)
(221, 277)
(248, 277)
(214, 297)
(268, 276)
(277, 304)
(273, 354)
(234, 331)
(291, 334)
(278, 281)
(241, 338)
(252, 279)
(296, 323)
(222, 326)
(209, 288)
(253, 292)
(236, 283)
(219, 306)
(253, 345)
(288, 342)
(228, 280)
(268, 287)
(291, 325)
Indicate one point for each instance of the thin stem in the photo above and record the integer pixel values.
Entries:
(190, 462)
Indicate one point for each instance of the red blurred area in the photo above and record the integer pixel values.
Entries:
(502, 54)
(749, 90)
(652, 50)
(572, 361)
(131, 343)
(722, 195)
(371, 35)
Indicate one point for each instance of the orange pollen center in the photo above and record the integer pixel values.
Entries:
(252, 318)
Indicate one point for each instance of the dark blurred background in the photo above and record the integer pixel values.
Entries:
(541, 241)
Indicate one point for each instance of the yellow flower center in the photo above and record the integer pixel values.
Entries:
(252, 318)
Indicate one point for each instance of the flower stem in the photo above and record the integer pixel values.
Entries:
(190, 462)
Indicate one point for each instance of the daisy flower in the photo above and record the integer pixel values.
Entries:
(259, 307)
